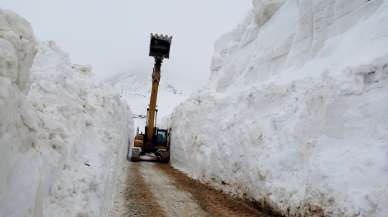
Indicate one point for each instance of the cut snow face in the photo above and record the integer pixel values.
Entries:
(19, 160)
(295, 112)
(62, 138)
(135, 87)
(87, 128)
(17, 49)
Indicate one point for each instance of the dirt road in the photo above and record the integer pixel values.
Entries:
(157, 190)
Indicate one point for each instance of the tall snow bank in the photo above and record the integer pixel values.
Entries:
(86, 131)
(19, 158)
(295, 112)
(62, 144)
(17, 49)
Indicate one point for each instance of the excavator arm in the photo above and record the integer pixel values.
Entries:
(154, 140)
(153, 99)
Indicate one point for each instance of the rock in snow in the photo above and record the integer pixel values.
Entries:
(294, 115)
(62, 138)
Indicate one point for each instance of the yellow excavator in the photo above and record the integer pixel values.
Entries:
(154, 140)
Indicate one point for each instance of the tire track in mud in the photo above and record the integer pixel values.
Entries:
(214, 202)
(139, 200)
(158, 190)
(174, 202)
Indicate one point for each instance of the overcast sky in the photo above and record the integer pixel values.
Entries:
(113, 36)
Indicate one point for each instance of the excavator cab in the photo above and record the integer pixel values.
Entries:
(160, 137)
(154, 140)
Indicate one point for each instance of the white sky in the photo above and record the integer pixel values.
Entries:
(114, 37)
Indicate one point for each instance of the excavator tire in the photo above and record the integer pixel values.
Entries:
(164, 156)
(135, 154)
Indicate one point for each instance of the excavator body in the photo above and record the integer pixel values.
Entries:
(154, 140)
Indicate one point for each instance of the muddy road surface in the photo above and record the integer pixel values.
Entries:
(157, 190)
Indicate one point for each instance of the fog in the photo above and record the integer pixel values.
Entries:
(114, 37)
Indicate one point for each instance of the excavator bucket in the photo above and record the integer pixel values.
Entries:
(160, 46)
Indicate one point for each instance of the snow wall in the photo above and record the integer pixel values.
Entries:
(62, 138)
(295, 113)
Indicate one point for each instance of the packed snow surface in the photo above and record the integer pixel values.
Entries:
(295, 115)
(62, 138)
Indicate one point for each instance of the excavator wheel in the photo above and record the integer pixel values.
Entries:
(163, 155)
(135, 154)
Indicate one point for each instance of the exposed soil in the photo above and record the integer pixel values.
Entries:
(140, 201)
(157, 190)
(212, 201)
